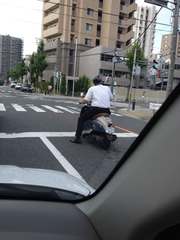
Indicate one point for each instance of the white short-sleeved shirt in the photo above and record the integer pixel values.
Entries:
(99, 96)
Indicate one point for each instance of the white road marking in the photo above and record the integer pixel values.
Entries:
(18, 108)
(2, 107)
(52, 109)
(54, 134)
(75, 108)
(36, 109)
(116, 114)
(61, 159)
(65, 109)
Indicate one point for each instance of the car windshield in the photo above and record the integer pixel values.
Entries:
(78, 83)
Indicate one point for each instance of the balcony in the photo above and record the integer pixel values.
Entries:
(51, 32)
(126, 23)
(124, 37)
(49, 6)
(51, 45)
(127, 9)
(50, 18)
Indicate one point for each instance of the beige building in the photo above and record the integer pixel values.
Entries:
(144, 14)
(108, 23)
(166, 46)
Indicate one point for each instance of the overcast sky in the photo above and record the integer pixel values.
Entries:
(22, 18)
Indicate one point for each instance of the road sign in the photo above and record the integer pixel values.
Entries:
(154, 106)
(161, 3)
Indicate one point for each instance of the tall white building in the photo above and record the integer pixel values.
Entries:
(144, 14)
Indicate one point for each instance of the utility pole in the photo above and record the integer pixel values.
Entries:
(132, 77)
(114, 61)
(173, 49)
(75, 63)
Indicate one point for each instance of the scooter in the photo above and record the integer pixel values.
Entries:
(100, 130)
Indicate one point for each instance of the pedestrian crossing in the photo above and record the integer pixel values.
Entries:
(56, 109)
(38, 109)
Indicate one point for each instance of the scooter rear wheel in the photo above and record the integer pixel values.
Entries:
(106, 143)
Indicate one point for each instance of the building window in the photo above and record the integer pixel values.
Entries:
(97, 42)
(129, 29)
(90, 12)
(89, 27)
(100, 16)
(74, 10)
(118, 44)
(73, 25)
(88, 41)
(100, 3)
(98, 30)
(72, 37)
(106, 58)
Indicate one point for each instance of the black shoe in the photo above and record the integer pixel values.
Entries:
(76, 140)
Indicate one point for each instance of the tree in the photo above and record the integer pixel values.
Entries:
(18, 71)
(40, 60)
(37, 64)
(83, 84)
(31, 69)
(63, 84)
(130, 58)
(22, 69)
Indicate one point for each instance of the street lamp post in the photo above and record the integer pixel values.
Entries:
(75, 63)
(173, 49)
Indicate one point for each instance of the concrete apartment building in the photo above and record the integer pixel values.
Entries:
(166, 46)
(108, 23)
(10, 54)
(98, 61)
(144, 14)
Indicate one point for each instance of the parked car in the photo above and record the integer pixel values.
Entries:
(13, 84)
(18, 86)
(27, 88)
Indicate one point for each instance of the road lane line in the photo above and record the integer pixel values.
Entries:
(65, 109)
(61, 159)
(123, 129)
(18, 108)
(52, 109)
(35, 108)
(116, 114)
(54, 134)
(2, 107)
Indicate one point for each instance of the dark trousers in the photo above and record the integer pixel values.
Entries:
(86, 114)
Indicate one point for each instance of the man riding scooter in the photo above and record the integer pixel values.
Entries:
(99, 96)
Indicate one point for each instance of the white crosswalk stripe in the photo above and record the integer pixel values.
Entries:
(18, 108)
(46, 108)
(65, 109)
(52, 109)
(2, 107)
(75, 108)
(35, 108)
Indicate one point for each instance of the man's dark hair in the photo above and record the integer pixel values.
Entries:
(97, 80)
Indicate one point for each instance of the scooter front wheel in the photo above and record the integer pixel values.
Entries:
(106, 143)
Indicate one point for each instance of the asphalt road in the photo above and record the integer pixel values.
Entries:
(35, 131)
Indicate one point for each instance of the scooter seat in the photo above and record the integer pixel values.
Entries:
(100, 115)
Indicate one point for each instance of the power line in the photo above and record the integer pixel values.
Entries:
(148, 26)
(105, 13)
(111, 51)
